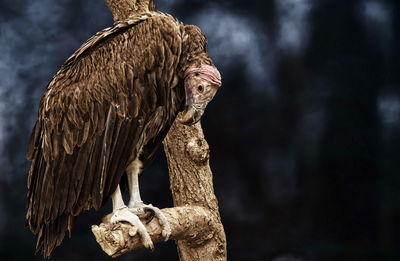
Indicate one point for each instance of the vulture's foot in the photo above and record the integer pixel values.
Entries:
(124, 214)
(149, 212)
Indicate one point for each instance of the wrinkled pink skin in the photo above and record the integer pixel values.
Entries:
(201, 85)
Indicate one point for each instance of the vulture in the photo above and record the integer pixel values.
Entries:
(103, 116)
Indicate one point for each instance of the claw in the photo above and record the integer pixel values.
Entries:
(123, 214)
(156, 212)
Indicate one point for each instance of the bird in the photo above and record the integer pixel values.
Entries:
(103, 116)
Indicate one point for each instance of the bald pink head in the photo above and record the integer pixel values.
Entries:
(201, 85)
(207, 72)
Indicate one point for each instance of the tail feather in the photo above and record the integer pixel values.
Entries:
(50, 235)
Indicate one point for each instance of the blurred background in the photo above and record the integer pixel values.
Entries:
(304, 133)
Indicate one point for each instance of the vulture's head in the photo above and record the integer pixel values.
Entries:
(201, 77)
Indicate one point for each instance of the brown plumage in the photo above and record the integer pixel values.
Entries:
(114, 98)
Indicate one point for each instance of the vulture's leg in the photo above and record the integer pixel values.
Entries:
(122, 213)
(136, 205)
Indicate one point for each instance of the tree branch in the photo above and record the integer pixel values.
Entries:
(122, 9)
(190, 177)
(118, 239)
(195, 221)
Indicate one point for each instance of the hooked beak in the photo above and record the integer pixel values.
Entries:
(201, 84)
(192, 114)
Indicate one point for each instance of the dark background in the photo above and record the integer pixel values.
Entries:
(304, 133)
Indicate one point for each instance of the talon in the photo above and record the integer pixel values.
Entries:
(125, 215)
(156, 212)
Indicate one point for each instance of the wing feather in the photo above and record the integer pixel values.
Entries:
(107, 101)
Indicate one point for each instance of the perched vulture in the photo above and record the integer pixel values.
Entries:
(103, 116)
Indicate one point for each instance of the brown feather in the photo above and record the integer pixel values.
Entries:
(109, 100)
(33, 141)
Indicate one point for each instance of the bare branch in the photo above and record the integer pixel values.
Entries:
(190, 176)
(118, 239)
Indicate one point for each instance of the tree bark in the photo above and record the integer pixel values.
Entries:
(190, 177)
(195, 221)
(122, 9)
(120, 238)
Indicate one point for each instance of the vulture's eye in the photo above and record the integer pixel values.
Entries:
(196, 74)
(200, 88)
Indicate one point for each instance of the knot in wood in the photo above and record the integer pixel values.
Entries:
(198, 151)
